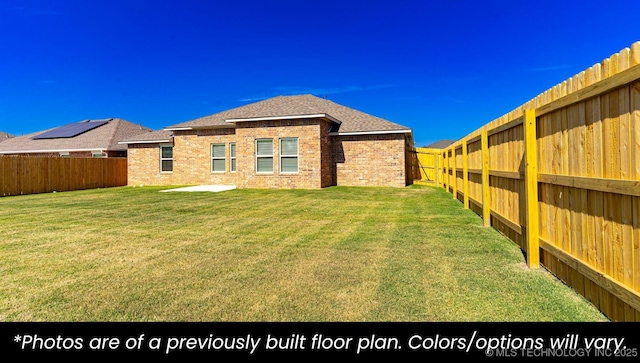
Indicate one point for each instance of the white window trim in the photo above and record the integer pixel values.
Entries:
(162, 159)
(231, 157)
(264, 156)
(219, 158)
(297, 156)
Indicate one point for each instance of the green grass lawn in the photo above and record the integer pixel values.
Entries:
(337, 254)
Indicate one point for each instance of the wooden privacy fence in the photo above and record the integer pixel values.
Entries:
(429, 161)
(39, 174)
(560, 176)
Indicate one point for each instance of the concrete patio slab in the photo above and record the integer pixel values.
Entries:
(202, 188)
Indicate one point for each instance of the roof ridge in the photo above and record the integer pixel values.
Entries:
(115, 131)
(114, 141)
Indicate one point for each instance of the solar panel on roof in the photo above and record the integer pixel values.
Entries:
(70, 130)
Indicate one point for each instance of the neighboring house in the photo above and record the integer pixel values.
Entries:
(282, 142)
(88, 138)
(441, 144)
(4, 136)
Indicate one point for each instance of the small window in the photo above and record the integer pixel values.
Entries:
(64, 155)
(264, 155)
(96, 154)
(166, 159)
(232, 156)
(218, 158)
(289, 155)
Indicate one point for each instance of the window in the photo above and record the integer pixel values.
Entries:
(232, 156)
(166, 158)
(264, 155)
(96, 154)
(64, 155)
(289, 155)
(218, 158)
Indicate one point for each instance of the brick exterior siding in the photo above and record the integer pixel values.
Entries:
(143, 166)
(309, 175)
(192, 157)
(370, 160)
(323, 160)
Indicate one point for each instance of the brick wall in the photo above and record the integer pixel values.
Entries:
(192, 157)
(326, 157)
(323, 160)
(143, 166)
(370, 160)
(307, 131)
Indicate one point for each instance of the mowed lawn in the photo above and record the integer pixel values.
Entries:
(337, 254)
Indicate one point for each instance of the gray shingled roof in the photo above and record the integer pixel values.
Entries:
(105, 137)
(5, 136)
(441, 144)
(301, 105)
(160, 135)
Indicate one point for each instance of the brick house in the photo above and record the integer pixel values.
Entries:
(87, 138)
(283, 142)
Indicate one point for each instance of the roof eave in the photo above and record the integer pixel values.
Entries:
(143, 141)
(378, 132)
(203, 127)
(284, 117)
(55, 150)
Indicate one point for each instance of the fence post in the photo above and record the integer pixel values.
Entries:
(436, 155)
(454, 183)
(465, 175)
(531, 189)
(445, 177)
(486, 190)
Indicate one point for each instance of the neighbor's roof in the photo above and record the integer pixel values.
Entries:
(300, 106)
(5, 136)
(103, 137)
(441, 144)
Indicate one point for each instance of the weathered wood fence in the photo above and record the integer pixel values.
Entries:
(39, 174)
(560, 176)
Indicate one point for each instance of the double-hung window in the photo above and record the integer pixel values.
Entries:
(166, 158)
(218, 158)
(232, 156)
(264, 155)
(289, 155)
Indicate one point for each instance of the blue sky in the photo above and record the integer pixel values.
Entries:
(443, 68)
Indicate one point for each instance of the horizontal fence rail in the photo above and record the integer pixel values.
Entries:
(560, 176)
(21, 175)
